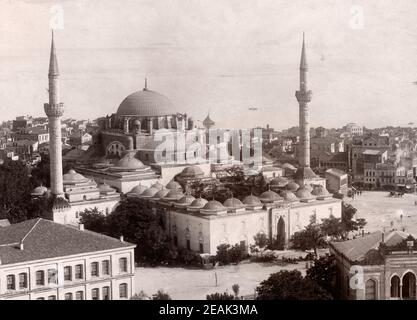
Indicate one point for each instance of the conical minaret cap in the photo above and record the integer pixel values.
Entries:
(53, 61)
(303, 61)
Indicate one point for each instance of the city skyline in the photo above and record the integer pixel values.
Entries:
(221, 58)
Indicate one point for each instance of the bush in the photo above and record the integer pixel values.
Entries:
(261, 240)
(227, 254)
(220, 296)
(266, 256)
(161, 295)
(140, 296)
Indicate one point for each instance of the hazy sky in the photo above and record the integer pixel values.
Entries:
(223, 55)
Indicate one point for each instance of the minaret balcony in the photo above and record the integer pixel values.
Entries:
(56, 110)
(304, 96)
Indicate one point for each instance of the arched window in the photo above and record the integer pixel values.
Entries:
(409, 286)
(370, 290)
(395, 287)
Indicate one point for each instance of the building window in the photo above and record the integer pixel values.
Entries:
(106, 293)
(41, 298)
(95, 294)
(67, 274)
(123, 264)
(105, 266)
(68, 296)
(40, 278)
(52, 276)
(94, 269)
(188, 244)
(123, 290)
(52, 298)
(79, 271)
(23, 281)
(11, 282)
(201, 247)
(79, 295)
(370, 290)
(175, 241)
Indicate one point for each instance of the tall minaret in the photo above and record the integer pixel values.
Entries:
(304, 97)
(54, 110)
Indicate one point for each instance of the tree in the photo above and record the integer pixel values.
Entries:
(261, 240)
(324, 272)
(140, 296)
(290, 285)
(348, 222)
(227, 254)
(161, 295)
(220, 296)
(309, 238)
(235, 289)
(332, 227)
(94, 220)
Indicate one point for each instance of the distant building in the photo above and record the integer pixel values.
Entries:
(336, 181)
(354, 129)
(43, 260)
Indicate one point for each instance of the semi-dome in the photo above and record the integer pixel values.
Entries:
(303, 193)
(72, 177)
(139, 189)
(270, 196)
(292, 186)
(39, 191)
(161, 193)
(150, 192)
(320, 192)
(233, 203)
(252, 201)
(146, 103)
(192, 172)
(198, 203)
(173, 185)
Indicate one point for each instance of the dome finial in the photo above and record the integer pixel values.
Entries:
(146, 84)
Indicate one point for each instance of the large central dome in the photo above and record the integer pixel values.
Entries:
(146, 103)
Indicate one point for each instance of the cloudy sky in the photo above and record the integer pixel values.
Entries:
(222, 55)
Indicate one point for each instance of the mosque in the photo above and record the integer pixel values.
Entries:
(134, 164)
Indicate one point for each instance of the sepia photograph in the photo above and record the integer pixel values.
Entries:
(208, 150)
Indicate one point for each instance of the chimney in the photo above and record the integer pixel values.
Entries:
(81, 227)
(121, 239)
(21, 246)
(383, 238)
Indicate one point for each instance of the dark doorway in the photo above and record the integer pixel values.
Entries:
(409, 286)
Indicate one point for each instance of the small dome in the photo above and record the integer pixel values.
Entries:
(198, 203)
(129, 162)
(73, 177)
(39, 191)
(320, 191)
(270, 196)
(186, 200)
(252, 201)
(192, 172)
(213, 205)
(136, 122)
(158, 185)
(233, 203)
(138, 190)
(173, 194)
(288, 195)
(292, 186)
(303, 193)
(161, 193)
(173, 185)
(150, 192)
(104, 188)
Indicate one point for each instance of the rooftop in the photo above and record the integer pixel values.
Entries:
(44, 239)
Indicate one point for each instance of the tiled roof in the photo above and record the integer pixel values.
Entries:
(43, 239)
(336, 172)
(356, 249)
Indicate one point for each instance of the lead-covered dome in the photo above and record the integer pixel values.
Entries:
(233, 203)
(146, 103)
(73, 177)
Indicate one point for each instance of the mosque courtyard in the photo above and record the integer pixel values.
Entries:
(382, 211)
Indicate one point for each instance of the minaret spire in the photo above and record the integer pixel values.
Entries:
(146, 84)
(303, 61)
(53, 61)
